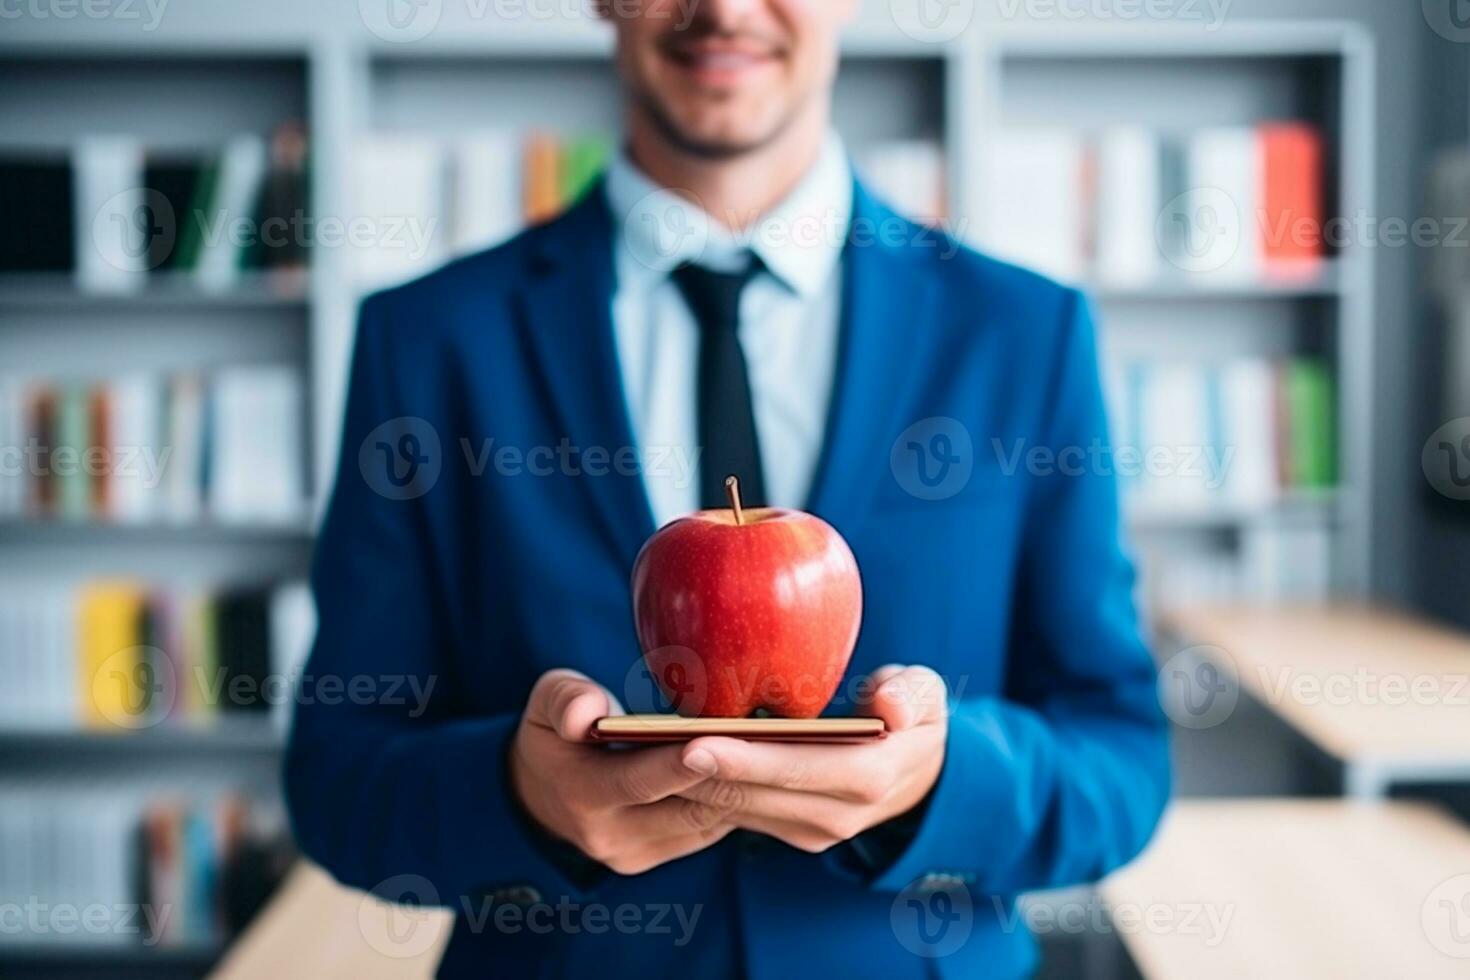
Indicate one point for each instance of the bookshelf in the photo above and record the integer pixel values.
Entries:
(204, 78)
(1177, 83)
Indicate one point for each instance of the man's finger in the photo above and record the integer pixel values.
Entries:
(748, 799)
(568, 702)
(910, 697)
(641, 776)
(829, 769)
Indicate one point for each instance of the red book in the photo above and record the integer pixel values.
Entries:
(1292, 201)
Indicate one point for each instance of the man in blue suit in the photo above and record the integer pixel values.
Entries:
(728, 299)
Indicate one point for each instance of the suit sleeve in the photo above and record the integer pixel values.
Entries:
(1062, 778)
(392, 791)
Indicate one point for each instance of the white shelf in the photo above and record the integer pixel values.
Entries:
(1294, 508)
(225, 735)
(60, 531)
(59, 292)
(1326, 285)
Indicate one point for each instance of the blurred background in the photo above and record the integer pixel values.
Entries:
(1267, 200)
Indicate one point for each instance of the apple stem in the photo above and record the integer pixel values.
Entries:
(732, 490)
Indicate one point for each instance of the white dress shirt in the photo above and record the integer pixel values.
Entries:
(789, 318)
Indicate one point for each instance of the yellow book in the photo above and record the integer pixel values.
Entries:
(115, 692)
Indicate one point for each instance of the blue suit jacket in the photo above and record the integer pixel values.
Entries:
(478, 576)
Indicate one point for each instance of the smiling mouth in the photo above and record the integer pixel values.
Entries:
(718, 62)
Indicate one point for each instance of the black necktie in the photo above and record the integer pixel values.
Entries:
(726, 416)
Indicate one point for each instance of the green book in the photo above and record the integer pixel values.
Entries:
(1311, 425)
(189, 229)
(582, 160)
(70, 458)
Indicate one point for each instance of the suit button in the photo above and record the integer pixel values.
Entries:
(941, 880)
(522, 895)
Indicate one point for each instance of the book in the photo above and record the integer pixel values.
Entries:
(41, 434)
(1176, 425)
(242, 170)
(487, 190)
(183, 475)
(1252, 478)
(1031, 200)
(583, 159)
(542, 179)
(1308, 395)
(1292, 204)
(1128, 183)
(197, 218)
(1219, 232)
(256, 457)
(398, 181)
(111, 622)
(280, 245)
(37, 197)
(136, 450)
(292, 632)
(172, 179)
(15, 479)
(69, 454)
(114, 220)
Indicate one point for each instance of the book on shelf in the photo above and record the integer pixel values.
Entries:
(436, 198)
(1240, 435)
(38, 198)
(114, 211)
(1127, 205)
(1126, 198)
(256, 458)
(119, 656)
(115, 223)
(149, 865)
(139, 449)
(1032, 190)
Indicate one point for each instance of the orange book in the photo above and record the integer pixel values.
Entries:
(541, 179)
(1292, 201)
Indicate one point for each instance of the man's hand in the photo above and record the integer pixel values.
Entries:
(618, 807)
(815, 796)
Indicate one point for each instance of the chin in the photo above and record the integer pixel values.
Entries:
(726, 132)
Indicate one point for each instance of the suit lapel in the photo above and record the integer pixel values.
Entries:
(567, 303)
(889, 294)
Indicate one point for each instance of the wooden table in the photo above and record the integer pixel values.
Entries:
(1385, 693)
(315, 928)
(1336, 889)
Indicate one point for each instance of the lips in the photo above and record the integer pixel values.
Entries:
(720, 62)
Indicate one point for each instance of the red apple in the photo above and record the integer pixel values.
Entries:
(739, 610)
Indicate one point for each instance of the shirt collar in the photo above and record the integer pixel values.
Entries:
(799, 241)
